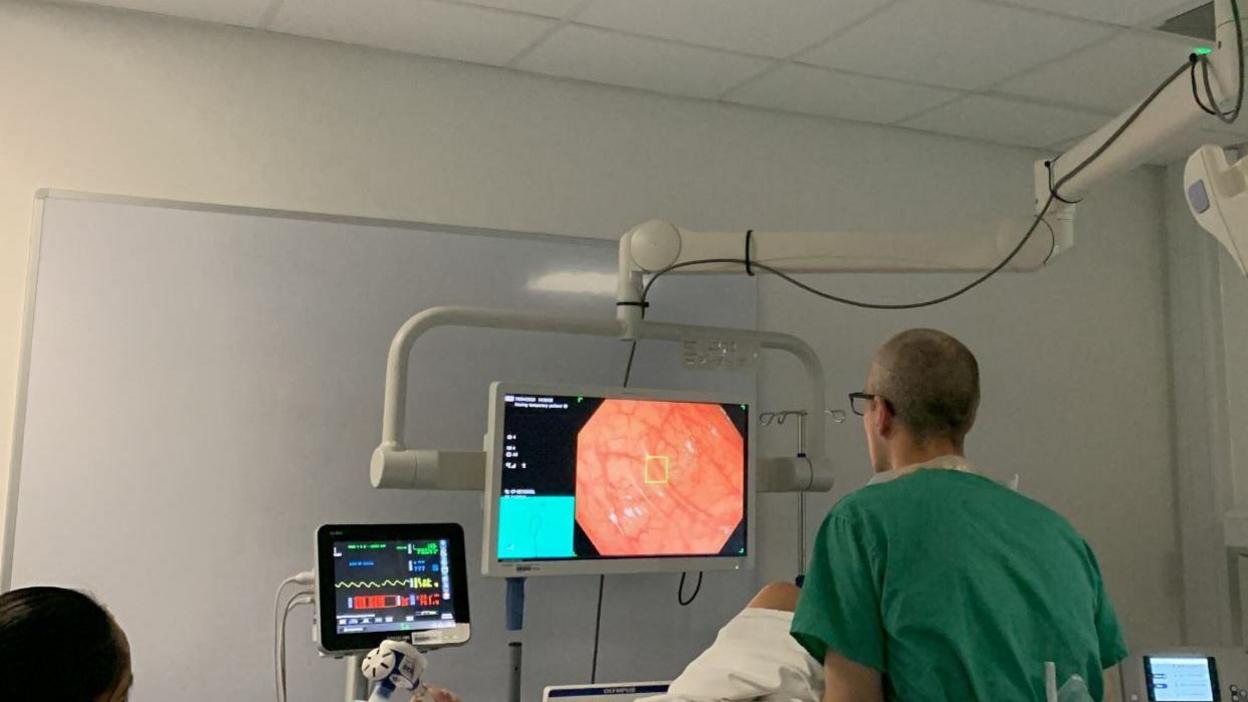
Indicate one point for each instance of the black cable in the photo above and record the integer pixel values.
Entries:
(628, 371)
(632, 353)
(1052, 245)
(1200, 102)
(1135, 115)
(1051, 166)
(1054, 194)
(749, 234)
(858, 303)
(602, 579)
(593, 670)
(1225, 117)
(680, 590)
(1213, 109)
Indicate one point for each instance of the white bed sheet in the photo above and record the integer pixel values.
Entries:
(753, 658)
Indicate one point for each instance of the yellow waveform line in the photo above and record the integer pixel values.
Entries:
(373, 583)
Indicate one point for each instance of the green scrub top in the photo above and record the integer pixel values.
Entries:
(956, 588)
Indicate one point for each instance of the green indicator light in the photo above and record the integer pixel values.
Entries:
(580, 400)
(1202, 51)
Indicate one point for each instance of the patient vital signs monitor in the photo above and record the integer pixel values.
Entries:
(1186, 675)
(1181, 678)
(615, 480)
(390, 581)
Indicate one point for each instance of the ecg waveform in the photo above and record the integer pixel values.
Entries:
(373, 584)
(367, 584)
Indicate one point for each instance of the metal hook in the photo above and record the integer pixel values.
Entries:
(766, 419)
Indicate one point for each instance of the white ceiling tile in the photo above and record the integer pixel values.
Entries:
(1175, 149)
(1124, 12)
(546, 8)
(620, 59)
(752, 26)
(1064, 145)
(1109, 76)
(241, 12)
(1239, 128)
(417, 26)
(1006, 121)
(819, 91)
(1213, 136)
(954, 43)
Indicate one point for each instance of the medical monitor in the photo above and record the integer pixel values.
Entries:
(390, 581)
(1181, 679)
(616, 480)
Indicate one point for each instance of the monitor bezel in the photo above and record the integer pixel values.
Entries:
(491, 566)
(335, 644)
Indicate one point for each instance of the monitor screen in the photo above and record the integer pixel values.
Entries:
(392, 586)
(391, 581)
(592, 478)
(1181, 679)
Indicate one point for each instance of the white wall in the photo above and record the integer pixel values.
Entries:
(1074, 357)
(1209, 330)
(1204, 483)
(1234, 318)
(1231, 490)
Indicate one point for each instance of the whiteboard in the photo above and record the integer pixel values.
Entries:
(205, 388)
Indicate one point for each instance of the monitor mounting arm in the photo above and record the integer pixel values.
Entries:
(394, 465)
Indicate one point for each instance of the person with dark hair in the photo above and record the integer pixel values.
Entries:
(60, 644)
(934, 583)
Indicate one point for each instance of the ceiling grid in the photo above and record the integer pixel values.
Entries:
(1035, 73)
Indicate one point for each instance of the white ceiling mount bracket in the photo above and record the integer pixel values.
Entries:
(655, 245)
(1217, 195)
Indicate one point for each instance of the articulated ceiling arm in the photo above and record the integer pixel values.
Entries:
(1059, 183)
(656, 245)
(1171, 112)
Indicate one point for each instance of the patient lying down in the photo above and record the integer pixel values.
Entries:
(753, 658)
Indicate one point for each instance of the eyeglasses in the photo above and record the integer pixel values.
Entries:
(860, 402)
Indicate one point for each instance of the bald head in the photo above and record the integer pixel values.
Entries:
(931, 381)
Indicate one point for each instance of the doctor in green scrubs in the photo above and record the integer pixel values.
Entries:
(934, 583)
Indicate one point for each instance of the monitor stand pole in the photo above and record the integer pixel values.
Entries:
(513, 669)
(357, 684)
